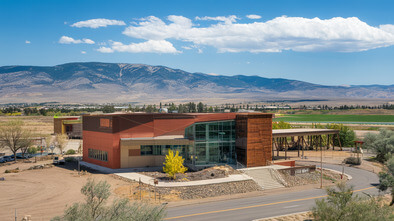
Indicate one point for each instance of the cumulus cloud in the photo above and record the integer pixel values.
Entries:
(83, 52)
(229, 19)
(150, 46)
(70, 40)
(253, 16)
(27, 42)
(97, 23)
(281, 33)
(387, 28)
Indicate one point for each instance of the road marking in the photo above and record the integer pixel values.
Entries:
(254, 206)
(287, 207)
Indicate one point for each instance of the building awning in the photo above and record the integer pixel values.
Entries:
(302, 132)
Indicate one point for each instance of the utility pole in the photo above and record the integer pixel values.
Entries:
(321, 165)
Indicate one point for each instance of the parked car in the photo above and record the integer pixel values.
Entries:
(2, 160)
(58, 161)
(20, 156)
(8, 158)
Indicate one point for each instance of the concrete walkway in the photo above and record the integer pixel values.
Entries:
(132, 174)
(266, 176)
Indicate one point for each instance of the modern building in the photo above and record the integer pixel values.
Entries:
(70, 125)
(142, 139)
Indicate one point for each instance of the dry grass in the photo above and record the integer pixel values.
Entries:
(147, 194)
(42, 125)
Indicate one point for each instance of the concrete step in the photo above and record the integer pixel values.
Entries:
(263, 177)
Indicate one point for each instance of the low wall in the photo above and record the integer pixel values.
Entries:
(289, 163)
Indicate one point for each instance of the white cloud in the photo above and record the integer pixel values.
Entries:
(150, 46)
(253, 16)
(97, 23)
(27, 42)
(387, 28)
(153, 28)
(83, 52)
(228, 20)
(105, 50)
(70, 40)
(281, 33)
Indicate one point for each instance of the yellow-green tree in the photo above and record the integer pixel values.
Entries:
(173, 164)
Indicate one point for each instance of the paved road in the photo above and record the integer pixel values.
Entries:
(268, 206)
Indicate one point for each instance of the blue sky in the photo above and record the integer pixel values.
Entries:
(324, 42)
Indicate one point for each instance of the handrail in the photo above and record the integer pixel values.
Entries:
(275, 174)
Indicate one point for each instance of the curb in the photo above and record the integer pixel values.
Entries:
(336, 171)
(274, 217)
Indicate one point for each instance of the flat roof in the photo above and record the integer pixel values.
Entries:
(169, 137)
(302, 132)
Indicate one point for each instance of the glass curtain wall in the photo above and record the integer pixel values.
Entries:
(214, 142)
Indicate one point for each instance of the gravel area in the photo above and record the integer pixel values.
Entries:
(310, 178)
(212, 190)
(206, 174)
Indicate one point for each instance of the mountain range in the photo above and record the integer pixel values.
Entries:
(95, 82)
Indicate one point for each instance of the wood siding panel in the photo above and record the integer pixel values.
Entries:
(258, 135)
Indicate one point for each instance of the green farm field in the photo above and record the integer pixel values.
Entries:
(335, 118)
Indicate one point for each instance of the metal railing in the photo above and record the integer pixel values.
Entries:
(276, 175)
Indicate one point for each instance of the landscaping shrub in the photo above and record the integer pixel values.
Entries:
(353, 160)
(96, 208)
(386, 178)
(69, 159)
(32, 150)
(70, 152)
(342, 205)
(382, 144)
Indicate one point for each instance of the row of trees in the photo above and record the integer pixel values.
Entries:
(15, 137)
(346, 134)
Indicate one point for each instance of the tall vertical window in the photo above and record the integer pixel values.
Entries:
(214, 142)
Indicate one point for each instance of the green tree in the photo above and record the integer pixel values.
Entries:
(32, 150)
(173, 164)
(382, 144)
(61, 141)
(386, 179)
(14, 137)
(108, 109)
(342, 205)
(200, 107)
(346, 134)
(95, 209)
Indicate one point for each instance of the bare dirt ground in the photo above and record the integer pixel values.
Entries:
(332, 157)
(43, 193)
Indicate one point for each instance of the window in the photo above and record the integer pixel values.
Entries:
(214, 142)
(163, 149)
(146, 150)
(105, 122)
(98, 154)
